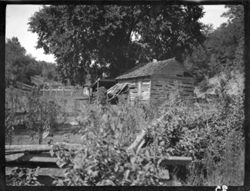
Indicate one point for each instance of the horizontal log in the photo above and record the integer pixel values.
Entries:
(14, 157)
(31, 158)
(12, 149)
(31, 164)
(176, 160)
(56, 172)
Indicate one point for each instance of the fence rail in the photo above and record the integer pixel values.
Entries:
(32, 156)
(63, 92)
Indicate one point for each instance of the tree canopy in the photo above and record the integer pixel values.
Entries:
(20, 67)
(111, 39)
(223, 48)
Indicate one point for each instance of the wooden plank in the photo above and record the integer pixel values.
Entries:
(30, 158)
(176, 160)
(43, 159)
(11, 149)
(54, 172)
(31, 164)
(14, 157)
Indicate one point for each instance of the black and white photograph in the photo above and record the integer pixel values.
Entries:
(137, 94)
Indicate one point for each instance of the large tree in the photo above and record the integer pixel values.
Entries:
(111, 38)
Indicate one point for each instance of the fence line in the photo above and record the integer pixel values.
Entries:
(64, 92)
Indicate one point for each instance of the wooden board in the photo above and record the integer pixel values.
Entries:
(177, 160)
(12, 149)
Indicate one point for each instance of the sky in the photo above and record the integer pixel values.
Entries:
(17, 18)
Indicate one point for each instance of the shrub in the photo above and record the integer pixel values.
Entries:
(23, 177)
(38, 113)
(42, 114)
(106, 133)
(211, 133)
(15, 104)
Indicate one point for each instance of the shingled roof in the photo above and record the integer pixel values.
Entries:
(169, 67)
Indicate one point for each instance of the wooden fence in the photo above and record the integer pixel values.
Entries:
(64, 92)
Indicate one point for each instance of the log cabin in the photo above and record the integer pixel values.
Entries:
(153, 82)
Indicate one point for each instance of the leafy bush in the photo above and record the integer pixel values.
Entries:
(106, 133)
(15, 103)
(209, 131)
(23, 177)
(42, 114)
(38, 114)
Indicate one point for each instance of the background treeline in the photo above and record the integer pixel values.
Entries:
(223, 49)
(20, 66)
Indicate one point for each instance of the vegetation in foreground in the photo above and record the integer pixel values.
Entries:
(212, 136)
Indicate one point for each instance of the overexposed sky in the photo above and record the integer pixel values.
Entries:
(17, 18)
(213, 15)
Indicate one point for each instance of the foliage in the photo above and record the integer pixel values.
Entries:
(223, 47)
(220, 147)
(32, 111)
(23, 177)
(42, 114)
(207, 134)
(102, 160)
(101, 96)
(20, 66)
(17, 62)
(111, 39)
(49, 71)
(15, 103)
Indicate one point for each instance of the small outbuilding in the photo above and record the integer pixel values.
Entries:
(152, 82)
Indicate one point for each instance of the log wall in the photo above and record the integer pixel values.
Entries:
(156, 90)
(139, 89)
(161, 88)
